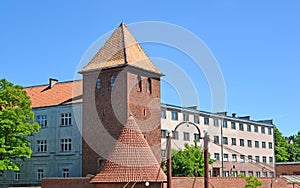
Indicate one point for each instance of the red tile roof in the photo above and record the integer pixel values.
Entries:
(60, 93)
(132, 159)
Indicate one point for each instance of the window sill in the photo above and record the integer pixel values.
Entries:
(40, 154)
(65, 153)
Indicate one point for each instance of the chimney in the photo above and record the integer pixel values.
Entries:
(52, 82)
(234, 115)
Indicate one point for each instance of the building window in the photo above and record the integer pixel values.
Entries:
(250, 158)
(17, 176)
(224, 124)
(42, 120)
(270, 159)
(186, 136)
(243, 173)
(270, 145)
(196, 137)
(163, 114)
(250, 173)
(66, 119)
(271, 174)
(242, 143)
(265, 174)
(269, 131)
(98, 83)
(225, 140)
(216, 122)
(264, 159)
(139, 83)
(174, 115)
(249, 143)
(206, 121)
(66, 144)
(256, 128)
(40, 174)
(233, 125)
(256, 143)
(234, 173)
(217, 156)
(216, 139)
(233, 141)
(262, 130)
(241, 127)
(249, 128)
(196, 119)
(163, 133)
(112, 81)
(175, 135)
(257, 159)
(65, 172)
(163, 153)
(242, 158)
(185, 117)
(263, 144)
(234, 158)
(225, 157)
(41, 145)
(258, 174)
(226, 173)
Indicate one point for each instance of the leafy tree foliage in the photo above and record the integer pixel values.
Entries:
(294, 147)
(188, 162)
(252, 182)
(16, 124)
(281, 147)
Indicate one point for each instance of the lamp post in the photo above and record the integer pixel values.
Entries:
(169, 161)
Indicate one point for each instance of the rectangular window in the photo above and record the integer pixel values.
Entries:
(216, 122)
(256, 128)
(216, 140)
(186, 136)
(263, 130)
(241, 127)
(233, 125)
(42, 120)
(242, 143)
(17, 176)
(226, 173)
(269, 131)
(263, 144)
(217, 156)
(175, 135)
(257, 159)
(265, 174)
(271, 174)
(233, 141)
(196, 137)
(249, 128)
(264, 159)
(174, 115)
(258, 174)
(66, 119)
(250, 173)
(225, 140)
(196, 119)
(185, 117)
(270, 145)
(41, 145)
(234, 158)
(249, 142)
(256, 144)
(270, 159)
(225, 157)
(163, 153)
(40, 174)
(234, 173)
(224, 124)
(65, 172)
(250, 158)
(66, 144)
(206, 121)
(243, 173)
(163, 114)
(242, 158)
(163, 133)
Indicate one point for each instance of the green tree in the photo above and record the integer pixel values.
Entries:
(188, 162)
(281, 147)
(252, 182)
(16, 124)
(294, 148)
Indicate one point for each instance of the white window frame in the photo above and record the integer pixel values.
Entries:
(66, 144)
(42, 120)
(39, 174)
(41, 146)
(66, 119)
(65, 172)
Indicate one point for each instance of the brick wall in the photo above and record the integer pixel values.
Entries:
(287, 169)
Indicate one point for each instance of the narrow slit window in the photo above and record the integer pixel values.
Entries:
(139, 84)
(149, 89)
(112, 81)
(98, 84)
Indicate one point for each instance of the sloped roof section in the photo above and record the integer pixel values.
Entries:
(121, 49)
(132, 159)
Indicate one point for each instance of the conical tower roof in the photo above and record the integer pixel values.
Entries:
(132, 159)
(121, 49)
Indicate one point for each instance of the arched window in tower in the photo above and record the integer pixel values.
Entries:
(139, 83)
(98, 84)
(112, 81)
(149, 87)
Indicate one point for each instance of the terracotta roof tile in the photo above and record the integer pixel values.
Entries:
(60, 93)
(132, 159)
(120, 49)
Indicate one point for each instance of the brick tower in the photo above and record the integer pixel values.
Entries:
(119, 80)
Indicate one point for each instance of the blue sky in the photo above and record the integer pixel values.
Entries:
(256, 44)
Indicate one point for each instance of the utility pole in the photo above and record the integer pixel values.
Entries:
(206, 139)
(169, 161)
